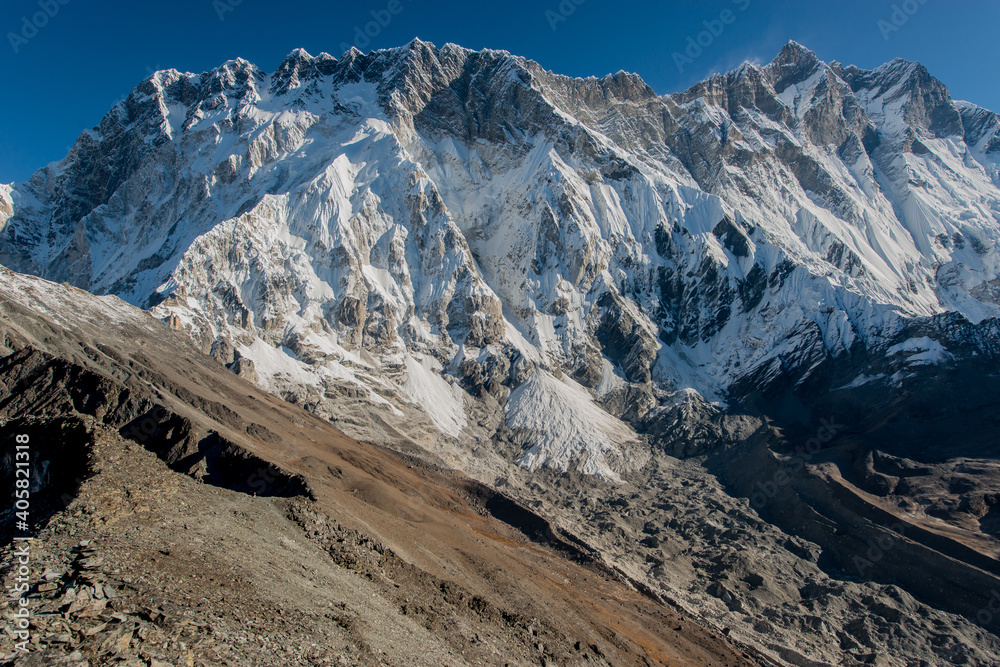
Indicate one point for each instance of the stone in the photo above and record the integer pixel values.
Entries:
(93, 608)
(90, 632)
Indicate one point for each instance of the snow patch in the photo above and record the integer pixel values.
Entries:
(565, 426)
(274, 364)
(860, 381)
(921, 351)
(442, 401)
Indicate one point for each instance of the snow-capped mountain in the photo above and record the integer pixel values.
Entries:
(471, 245)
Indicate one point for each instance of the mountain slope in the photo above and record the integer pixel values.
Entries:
(360, 554)
(359, 214)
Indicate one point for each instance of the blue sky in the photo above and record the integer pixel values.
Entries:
(62, 70)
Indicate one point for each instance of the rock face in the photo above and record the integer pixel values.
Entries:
(561, 286)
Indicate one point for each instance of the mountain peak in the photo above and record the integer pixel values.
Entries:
(292, 70)
(926, 101)
(298, 54)
(794, 50)
(414, 46)
(794, 55)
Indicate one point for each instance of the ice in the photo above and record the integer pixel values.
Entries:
(564, 426)
(442, 400)
(921, 351)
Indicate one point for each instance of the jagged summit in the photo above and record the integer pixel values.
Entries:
(795, 53)
(794, 60)
(299, 53)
